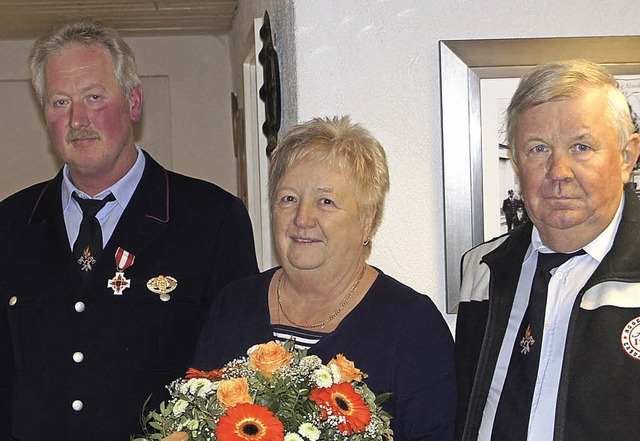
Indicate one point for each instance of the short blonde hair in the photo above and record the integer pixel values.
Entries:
(349, 147)
(566, 80)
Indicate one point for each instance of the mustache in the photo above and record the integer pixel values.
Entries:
(74, 135)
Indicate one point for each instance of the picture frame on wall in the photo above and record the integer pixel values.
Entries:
(464, 64)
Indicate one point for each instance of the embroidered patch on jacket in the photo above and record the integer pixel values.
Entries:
(630, 338)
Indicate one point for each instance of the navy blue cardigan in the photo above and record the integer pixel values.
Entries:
(395, 335)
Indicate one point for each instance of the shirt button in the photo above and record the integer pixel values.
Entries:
(547, 325)
(13, 300)
(79, 306)
(77, 405)
(78, 357)
(559, 275)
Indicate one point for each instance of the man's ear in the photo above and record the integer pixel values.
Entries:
(630, 153)
(136, 101)
(514, 162)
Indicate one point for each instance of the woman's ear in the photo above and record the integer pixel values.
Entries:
(367, 224)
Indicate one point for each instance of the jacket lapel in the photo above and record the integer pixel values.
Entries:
(505, 264)
(621, 262)
(46, 236)
(144, 220)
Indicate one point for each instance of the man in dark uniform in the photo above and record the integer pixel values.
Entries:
(108, 269)
(509, 206)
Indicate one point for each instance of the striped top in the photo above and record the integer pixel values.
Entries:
(303, 338)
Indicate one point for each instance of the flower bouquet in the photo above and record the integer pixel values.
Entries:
(276, 392)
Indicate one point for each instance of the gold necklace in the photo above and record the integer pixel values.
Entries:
(332, 316)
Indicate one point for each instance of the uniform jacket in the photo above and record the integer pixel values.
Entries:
(130, 345)
(600, 381)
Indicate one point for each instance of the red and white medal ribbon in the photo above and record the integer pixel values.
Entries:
(124, 259)
(119, 282)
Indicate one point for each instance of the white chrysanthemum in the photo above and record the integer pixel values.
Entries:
(179, 407)
(184, 387)
(311, 361)
(292, 437)
(192, 424)
(200, 386)
(309, 431)
(322, 377)
(335, 372)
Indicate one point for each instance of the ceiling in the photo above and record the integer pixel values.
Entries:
(29, 19)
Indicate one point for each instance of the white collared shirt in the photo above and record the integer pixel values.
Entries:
(565, 283)
(110, 215)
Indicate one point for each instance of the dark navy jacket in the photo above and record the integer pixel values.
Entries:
(133, 344)
(395, 335)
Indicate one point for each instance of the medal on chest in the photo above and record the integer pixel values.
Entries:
(162, 285)
(119, 282)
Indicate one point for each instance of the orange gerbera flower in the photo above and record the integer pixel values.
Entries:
(249, 422)
(215, 374)
(342, 400)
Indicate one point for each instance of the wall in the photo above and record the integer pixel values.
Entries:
(378, 61)
(281, 13)
(186, 123)
(200, 82)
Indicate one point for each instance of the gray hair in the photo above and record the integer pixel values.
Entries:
(91, 33)
(565, 80)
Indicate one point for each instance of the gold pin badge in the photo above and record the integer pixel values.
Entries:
(162, 285)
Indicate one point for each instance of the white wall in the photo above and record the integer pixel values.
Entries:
(378, 61)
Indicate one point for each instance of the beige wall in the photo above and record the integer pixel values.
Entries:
(186, 123)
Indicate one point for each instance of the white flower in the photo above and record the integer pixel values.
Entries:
(192, 424)
(180, 406)
(311, 361)
(322, 377)
(184, 387)
(200, 386)
(309, 431)
(292, 437)
(335, 371)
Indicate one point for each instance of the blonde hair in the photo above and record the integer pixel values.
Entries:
(349, 147)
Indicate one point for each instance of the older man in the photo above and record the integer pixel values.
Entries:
(554, 353)
(107, 270)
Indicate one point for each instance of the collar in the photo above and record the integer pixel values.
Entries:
(122, 190)
(597, 248)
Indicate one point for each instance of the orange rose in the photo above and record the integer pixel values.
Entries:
(233, 391)
(178, 436)
(268, 357)
(348, 370)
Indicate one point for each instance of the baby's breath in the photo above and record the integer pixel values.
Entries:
(195, 409)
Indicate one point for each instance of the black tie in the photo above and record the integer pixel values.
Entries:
(514, 408)
(88, 245)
